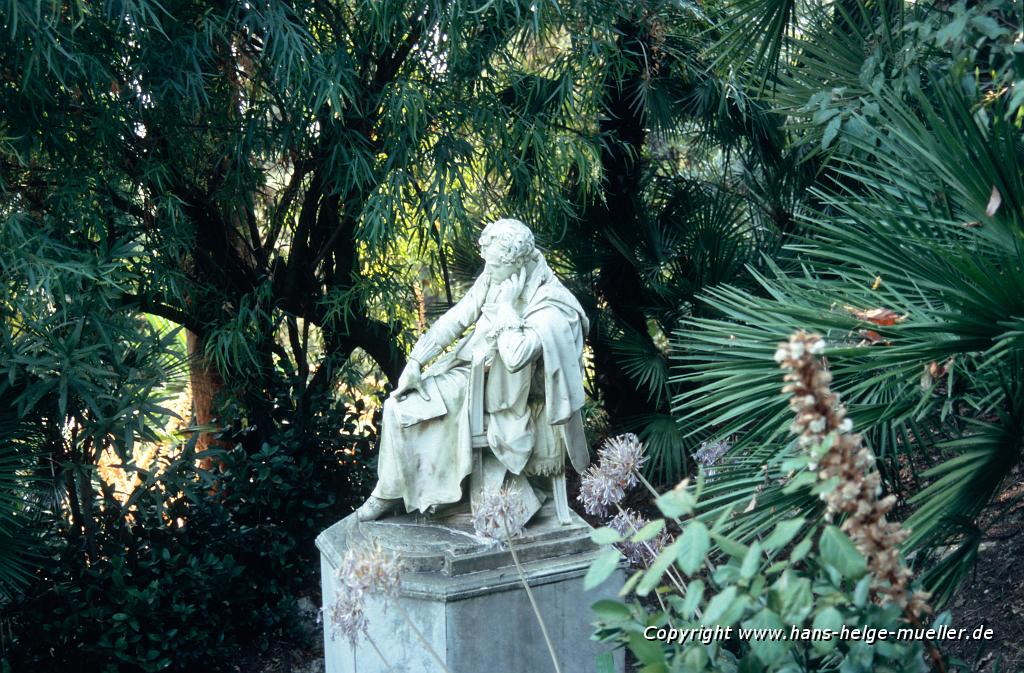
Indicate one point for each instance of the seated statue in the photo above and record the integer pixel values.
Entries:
(527, 338)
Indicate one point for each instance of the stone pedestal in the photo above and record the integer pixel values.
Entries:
(467, 599)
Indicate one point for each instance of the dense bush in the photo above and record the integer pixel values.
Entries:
(818, 596)
(206, 562)
(816, 584)
(196, 563)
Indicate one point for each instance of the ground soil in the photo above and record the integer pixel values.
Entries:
(992, 595)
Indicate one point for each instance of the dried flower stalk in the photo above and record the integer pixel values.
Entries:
(838, 454)
(503, 513)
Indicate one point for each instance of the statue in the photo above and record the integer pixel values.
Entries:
(524, 356)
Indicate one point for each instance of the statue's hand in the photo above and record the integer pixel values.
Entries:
(511, 287)
(411, 379)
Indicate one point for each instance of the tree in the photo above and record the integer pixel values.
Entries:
(277, 160)
(696, 184)
(269, 158)
(263, 175)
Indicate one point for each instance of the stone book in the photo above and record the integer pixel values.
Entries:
(414, 408)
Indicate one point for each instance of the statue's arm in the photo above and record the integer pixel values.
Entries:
(517, 344)
(451, 325)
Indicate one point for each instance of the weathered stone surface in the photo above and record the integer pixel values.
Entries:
(467, 599)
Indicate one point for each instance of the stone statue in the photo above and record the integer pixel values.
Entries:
(523, 355)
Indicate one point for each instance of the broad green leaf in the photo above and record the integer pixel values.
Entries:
(751, 562)
(649, 531)
(831, 131)
(610, 610)
(606, 535)
(800, 550)
(694, 594)
(791, 597)
(862, 591)
(734, 549)
(725, 608)
(648, 652)
(693, 547)
(837, 550)
(800, 480)
(768, 650)
(652, 576)
(635, 578)
(718, 604)
(695, 657)
(601, 569)
(784, 532)
(828, 619)
(676, 503)
(953, 29)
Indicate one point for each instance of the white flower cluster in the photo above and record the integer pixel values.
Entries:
(604, 484)
(622, 456)
(362, 572)
(499, 514)
(627, 522)
(710, 452)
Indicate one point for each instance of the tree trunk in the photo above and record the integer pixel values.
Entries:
(206, 384)
(618, 283)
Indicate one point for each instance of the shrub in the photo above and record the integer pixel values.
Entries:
(808, 585)
(205, 563)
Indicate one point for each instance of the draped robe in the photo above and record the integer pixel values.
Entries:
(532, 352)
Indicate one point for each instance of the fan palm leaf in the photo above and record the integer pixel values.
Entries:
(19, 496)
(912, 272)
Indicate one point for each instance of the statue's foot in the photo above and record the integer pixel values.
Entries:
(374, 508)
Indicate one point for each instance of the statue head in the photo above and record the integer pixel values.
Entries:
(506, 246)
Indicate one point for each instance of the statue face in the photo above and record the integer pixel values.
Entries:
(494, 267)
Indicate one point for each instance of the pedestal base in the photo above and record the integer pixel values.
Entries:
(467, 599)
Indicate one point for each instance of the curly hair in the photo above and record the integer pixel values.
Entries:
(514, 237)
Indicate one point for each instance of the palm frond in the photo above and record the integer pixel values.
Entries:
(755, 31)
(914, 279)
(20, 497)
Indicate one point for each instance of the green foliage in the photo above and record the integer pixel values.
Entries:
(920, 221)
(279, 178)
(197, 566)
(80, 375)
(193, 566)
(19, 441)
(806, 594)
(699, 184)
(278, 171)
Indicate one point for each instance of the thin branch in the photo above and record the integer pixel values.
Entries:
(299, 171)
(389, 65)
(147, 305)
(533, 602)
